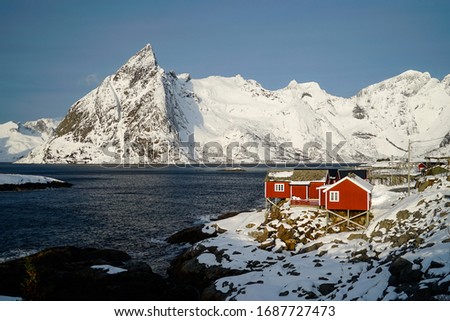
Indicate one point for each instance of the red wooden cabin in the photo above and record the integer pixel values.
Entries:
(350, 193)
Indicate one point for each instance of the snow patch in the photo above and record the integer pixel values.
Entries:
(17, 179)
(109, 269)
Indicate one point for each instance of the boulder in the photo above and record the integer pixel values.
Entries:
(326, 288)
(190, 235)
(402, 272)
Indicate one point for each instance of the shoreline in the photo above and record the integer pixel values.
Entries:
(33, 186)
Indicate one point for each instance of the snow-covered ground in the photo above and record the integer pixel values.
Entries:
(359, 265)
(17, 179)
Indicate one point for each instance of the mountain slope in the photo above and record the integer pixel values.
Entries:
(144, 114)
(17, 140)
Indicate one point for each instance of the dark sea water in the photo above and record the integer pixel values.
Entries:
(129, 209)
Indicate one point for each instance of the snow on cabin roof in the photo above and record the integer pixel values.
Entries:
(296, 175)
(354, 179)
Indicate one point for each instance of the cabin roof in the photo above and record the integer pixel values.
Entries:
(297, 175)
(358, 172)
(354, 179)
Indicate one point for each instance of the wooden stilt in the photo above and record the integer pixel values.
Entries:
(347, 219)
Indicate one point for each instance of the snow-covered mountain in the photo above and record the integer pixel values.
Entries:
(144, 114)
(17, 139)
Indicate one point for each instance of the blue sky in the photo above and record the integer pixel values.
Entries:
(54, 52)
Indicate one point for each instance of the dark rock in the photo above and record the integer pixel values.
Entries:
(225, 216)
(310, 296)
(326, 288)
(402, 273)
(398, 265)
(32, 186)
(421, 294)
(427, 245)
(186, 270)
(190, 235)
(212, 294)
(436, 265)
(65, 273)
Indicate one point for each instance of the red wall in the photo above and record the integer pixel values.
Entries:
(351, 197)
(299, 191)
(270, 190)
(321, 198)
(313, 191)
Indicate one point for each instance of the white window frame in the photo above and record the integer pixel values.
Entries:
(279, 187)
(334, 196)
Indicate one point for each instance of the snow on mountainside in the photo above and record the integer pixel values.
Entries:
(144, 114)
(17, 140)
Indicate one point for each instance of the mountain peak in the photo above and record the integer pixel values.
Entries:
(143, 58)
(142, 65)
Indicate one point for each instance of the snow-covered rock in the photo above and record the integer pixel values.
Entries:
(18, 179)
(144, 114)
(19, 182)
(17, 139)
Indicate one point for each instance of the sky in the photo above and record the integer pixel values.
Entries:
(53, 52)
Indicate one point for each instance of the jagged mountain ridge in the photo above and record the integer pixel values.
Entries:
(144, 114)
(17, 139)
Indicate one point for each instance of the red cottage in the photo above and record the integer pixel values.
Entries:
(350, 193)
(300, 186)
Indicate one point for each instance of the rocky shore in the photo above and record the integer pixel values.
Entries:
(89, 274)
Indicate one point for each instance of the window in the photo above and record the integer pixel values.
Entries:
(279, 187)
(334, 196)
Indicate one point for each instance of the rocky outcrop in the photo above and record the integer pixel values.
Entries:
(187, 271)
(406, 277)
(67, 273)
(190, 235)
